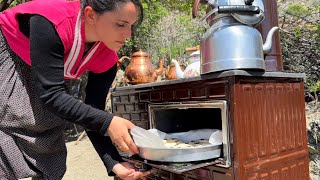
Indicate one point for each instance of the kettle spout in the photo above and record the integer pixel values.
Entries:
(166, 71)
(268, 44)
(179, 72)
(159, 71)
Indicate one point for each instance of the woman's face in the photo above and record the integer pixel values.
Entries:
(114, 27)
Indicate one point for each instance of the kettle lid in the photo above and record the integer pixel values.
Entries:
(254, 19)
(140, 53)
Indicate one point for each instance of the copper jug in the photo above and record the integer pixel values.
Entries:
(171, 71)
(140, 69)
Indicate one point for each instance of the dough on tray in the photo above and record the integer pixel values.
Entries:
(183, 145)
(174, 143)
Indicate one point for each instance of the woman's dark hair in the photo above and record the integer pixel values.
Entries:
(102, 6)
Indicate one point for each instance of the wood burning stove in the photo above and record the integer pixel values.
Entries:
(263, 122)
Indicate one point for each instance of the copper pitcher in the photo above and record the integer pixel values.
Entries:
(140, 69)
(171, 71)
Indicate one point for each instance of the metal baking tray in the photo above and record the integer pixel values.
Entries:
(180, 154)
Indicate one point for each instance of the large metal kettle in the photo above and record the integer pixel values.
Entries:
(233, 44)
(140, 69)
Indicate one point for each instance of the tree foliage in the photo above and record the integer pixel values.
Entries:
(300, 39)
(4, 4)
(167, 29)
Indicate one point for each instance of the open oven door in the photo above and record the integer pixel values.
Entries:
(181, 117)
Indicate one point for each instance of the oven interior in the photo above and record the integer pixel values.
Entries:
(171, 120)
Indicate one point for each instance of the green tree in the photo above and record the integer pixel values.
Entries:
(167, 29)
(4, 4)
(300, 40)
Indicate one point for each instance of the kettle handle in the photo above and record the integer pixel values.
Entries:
(120, 61)
(239, 9)
(232, 9)
(212, 11)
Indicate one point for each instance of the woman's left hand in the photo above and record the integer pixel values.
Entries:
(126, 171)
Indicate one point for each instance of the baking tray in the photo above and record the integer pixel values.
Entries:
(180, 154)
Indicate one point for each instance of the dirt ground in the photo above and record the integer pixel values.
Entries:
(83, 163)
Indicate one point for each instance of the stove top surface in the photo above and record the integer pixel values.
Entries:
(214, 76)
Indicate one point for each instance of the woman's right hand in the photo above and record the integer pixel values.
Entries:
(119, 133)
(126, 171)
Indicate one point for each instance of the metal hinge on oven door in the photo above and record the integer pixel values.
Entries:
(139, 166)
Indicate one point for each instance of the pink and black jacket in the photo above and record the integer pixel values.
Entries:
(67, 20)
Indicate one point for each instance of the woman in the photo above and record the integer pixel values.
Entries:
(42, 43)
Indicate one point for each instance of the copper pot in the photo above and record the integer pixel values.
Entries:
(140, 69)
(171, 71)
